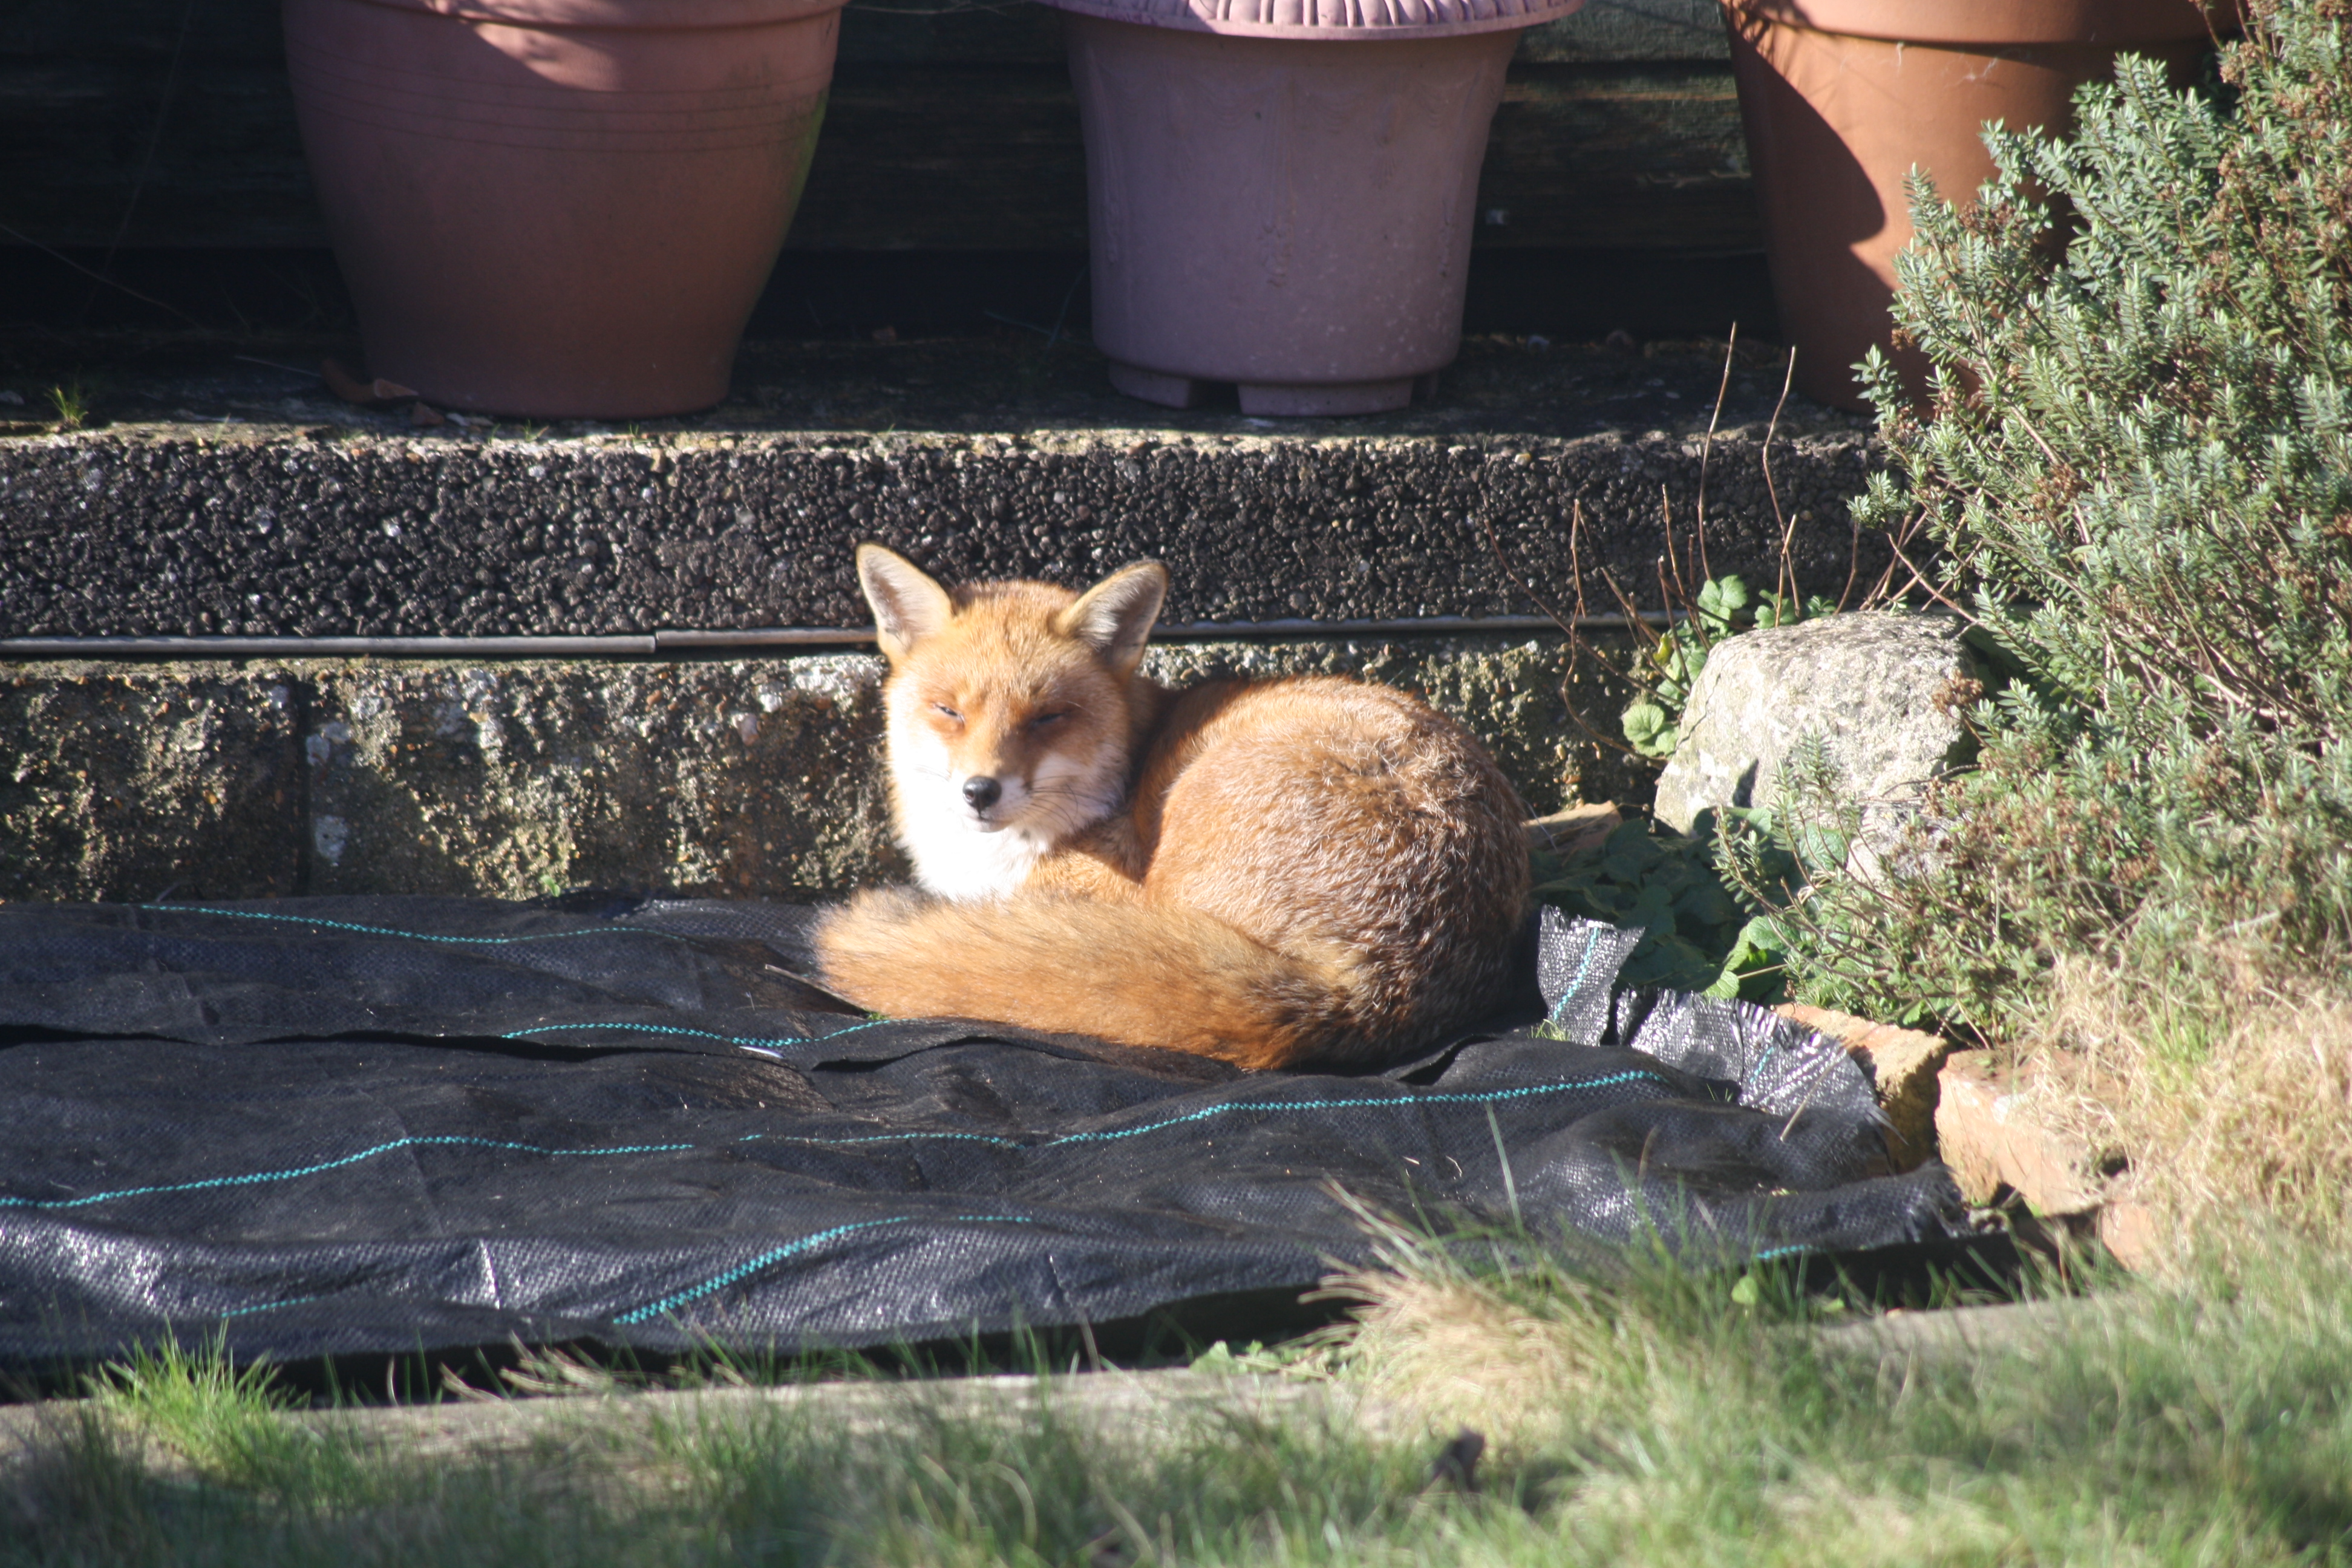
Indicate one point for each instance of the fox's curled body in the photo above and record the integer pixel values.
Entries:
(1275, 873)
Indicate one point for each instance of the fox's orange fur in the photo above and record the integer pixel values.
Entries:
(1275, 873)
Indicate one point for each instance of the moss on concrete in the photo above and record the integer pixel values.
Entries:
(751, 777)
(723, 777)
(127, 781)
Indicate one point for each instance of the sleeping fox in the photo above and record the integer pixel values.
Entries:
(1275, 873)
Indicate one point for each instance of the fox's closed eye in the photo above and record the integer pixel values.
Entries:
(944, 711)
(1040, 720)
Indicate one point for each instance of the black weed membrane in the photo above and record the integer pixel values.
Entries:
(329, 1127)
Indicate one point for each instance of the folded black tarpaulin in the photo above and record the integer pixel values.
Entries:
(361, 1126)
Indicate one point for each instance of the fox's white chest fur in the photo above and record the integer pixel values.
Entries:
(956, 859)
(955, 855)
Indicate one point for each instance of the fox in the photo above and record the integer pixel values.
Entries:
(1302, 872)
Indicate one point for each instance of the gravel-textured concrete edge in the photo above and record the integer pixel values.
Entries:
(159, 533)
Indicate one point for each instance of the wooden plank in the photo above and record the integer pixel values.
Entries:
(951, 32)
(227, 168)
(930, 157)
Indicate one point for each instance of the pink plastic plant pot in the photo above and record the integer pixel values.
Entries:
(559, 208)
(1281, 196)
(1841, 97)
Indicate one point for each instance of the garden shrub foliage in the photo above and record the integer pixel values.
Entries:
(2135, 468)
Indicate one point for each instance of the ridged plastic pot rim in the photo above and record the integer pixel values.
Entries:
(619, 16)
(1329, 20)
(2115, 23)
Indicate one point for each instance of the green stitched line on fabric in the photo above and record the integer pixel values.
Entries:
(1591, 946)
(266, 1307)
(755, 1042)
(1484, 1097)
(293, 1172)
(720, 1281)
(410, 935)
(1407, 1099)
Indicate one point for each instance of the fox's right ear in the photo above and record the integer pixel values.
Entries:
(908, 606)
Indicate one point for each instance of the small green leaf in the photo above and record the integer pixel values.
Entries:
(1642, 723)
(1703, 902)
(1655, 907)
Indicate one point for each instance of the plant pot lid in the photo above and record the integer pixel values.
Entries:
(1333, 19)
(2120, 23)
(624, 15)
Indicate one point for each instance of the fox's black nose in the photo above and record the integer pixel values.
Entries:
(982, 792)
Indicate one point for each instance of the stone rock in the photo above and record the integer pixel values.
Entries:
(1903, 1065)
(1883, 690)
(1990, 1140)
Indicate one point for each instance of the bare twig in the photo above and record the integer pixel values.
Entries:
(1578, 647)
(1706, 448)
(23, 238)
(1852, 565)
(1495, 543)
(1785, 580)
(154, 140)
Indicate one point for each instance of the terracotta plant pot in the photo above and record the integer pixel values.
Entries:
(1841, 99)
(1282, 198)
(561, 208)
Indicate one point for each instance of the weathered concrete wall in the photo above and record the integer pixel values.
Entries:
(127, 780)
(733, 778)
(721, 777)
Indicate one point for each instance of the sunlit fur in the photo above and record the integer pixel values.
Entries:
(1275, 873)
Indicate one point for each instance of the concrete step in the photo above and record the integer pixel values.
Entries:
(229, 496)
(650, 669)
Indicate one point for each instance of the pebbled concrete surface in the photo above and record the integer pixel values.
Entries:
(309, 518)
(719, 777)
(130, 781)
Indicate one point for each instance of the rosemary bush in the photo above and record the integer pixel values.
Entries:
(2135, 468)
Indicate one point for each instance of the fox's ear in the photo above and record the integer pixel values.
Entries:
(908, 606)
(1114, 618)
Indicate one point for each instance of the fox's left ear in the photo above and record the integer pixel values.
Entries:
(1114, 618)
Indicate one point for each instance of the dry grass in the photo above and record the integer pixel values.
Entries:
(1520, 1344)
(1460, 1354)
(2235, 1112)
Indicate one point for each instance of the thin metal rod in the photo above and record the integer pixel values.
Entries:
(645, 645)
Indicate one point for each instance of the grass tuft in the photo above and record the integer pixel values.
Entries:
(2239, 1111)
(71, 403)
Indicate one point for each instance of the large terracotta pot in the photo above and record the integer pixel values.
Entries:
(1841, 99)
(562, 208)
(1282, 197)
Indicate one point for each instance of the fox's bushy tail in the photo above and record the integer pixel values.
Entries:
(1144, 974)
